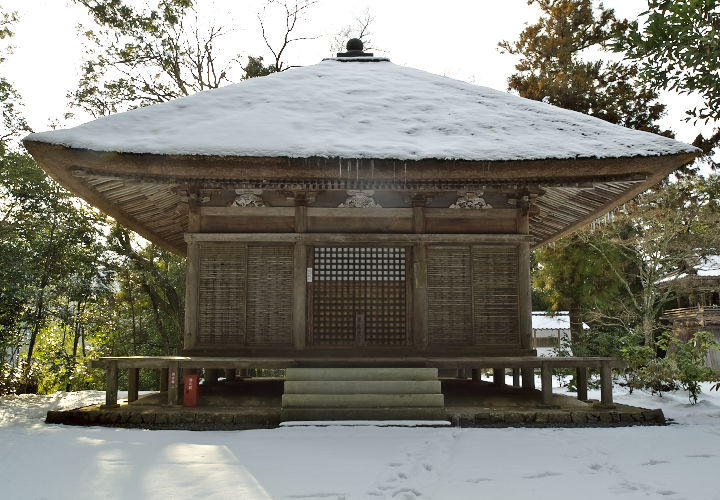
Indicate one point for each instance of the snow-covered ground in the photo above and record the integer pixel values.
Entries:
(679, 461)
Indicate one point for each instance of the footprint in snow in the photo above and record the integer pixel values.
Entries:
(542, 474)
(595, 467)
(701, 455)
(652, 461)
(407, 494)
(478, 480)
(666, 492)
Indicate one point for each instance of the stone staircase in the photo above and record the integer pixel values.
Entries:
(362, 394)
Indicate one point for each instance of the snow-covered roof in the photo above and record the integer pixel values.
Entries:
(361, 110)
(559, 320)
(708, 266)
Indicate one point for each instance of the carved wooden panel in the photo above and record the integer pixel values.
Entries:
(269, 295)
(221, 293)
(449, 295)
(359, 296)
(495, 293)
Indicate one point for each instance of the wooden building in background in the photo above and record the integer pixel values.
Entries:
(355, 210)
(698, 301)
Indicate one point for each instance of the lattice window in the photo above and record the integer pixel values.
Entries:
(269, 295)
(221, 290)
(359, 296)
(449, 293)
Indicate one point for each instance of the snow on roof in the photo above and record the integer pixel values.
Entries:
(708, 266)
(559, 320)
(361, 110)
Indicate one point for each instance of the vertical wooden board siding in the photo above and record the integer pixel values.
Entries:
(449, 295)
(222, 293)
(495, 294)
(270, 294)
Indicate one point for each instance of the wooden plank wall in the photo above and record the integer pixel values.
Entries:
(473, 295)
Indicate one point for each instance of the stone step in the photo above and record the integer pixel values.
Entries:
(362, 387)
(309, 414)
(368, 401)
(356, 374)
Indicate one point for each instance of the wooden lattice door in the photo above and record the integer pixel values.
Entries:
(358, 296)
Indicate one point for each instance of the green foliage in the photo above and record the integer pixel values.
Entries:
(571, 274)
(678, 47)
(689, 360)
(658, 376)
(638, 357)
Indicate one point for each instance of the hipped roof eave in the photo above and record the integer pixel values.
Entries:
(61, 162)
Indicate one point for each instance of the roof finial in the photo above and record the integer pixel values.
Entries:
(354, 49)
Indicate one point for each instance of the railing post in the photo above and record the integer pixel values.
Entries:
(174, 383)
(528, 378)
(546, 378)
(111, 384)
(582, 383)
(516, 377)
(499, 376)
(133, 384)
(164, 379)
(606, 397)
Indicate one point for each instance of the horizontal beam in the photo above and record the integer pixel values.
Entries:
(323, 238)
(287, 362)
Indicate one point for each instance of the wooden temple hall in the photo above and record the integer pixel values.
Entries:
(355, 214)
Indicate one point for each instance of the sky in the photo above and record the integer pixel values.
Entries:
(455, 38)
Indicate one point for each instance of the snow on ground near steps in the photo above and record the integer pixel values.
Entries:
(679, 461)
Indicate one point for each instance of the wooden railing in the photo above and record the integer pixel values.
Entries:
(685, 312)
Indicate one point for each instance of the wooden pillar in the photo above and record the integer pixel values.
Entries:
(164, 376)
(211, 375)
(300, 219)
(461, 373)
(301, 275)
(418, 219)
(133, 384)
(499, 376)
(190, 337)
(606, 397)
(546, 377)
(516, 377)
(528, 378)
(174, 383)
(111, 384)
(524, 296)
(475, 374)
(419, 296)
(230, 374)
(582, 384)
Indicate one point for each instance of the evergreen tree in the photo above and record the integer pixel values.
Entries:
(553, 68)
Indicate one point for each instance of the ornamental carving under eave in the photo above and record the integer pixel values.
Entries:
(248, 199)
(360, 199)
(471, 200)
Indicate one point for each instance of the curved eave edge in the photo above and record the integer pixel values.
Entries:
(197, 167)
(669, 167)
(63, 176)
(60, 162)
